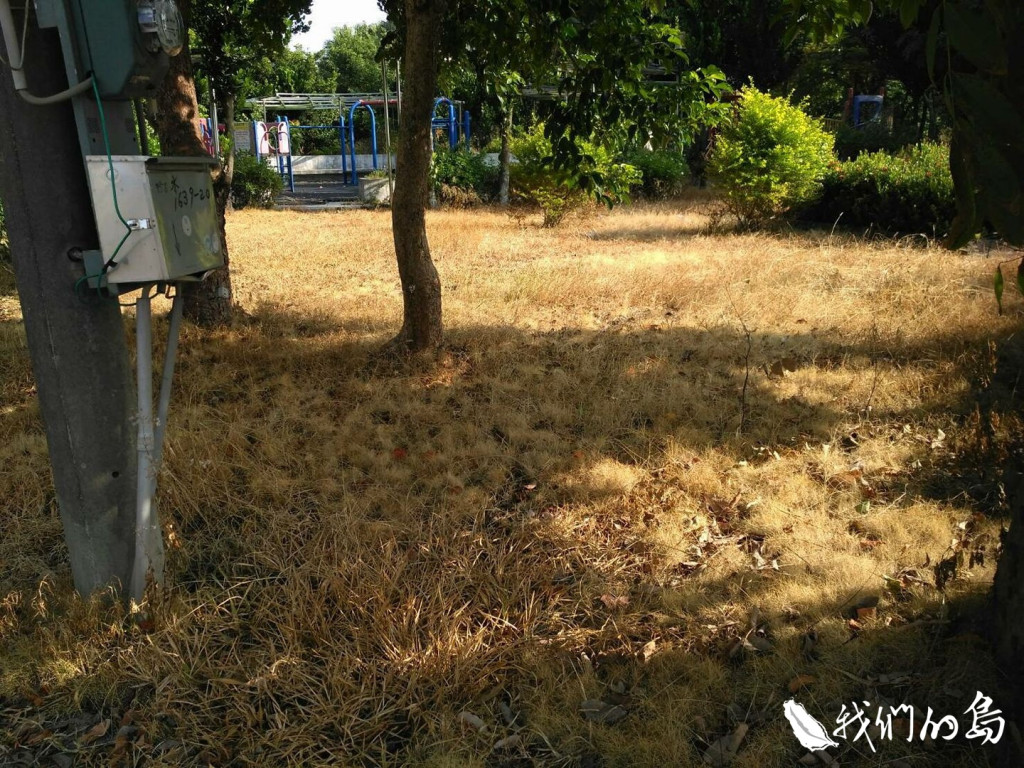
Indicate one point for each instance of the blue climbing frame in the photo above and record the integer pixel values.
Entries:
(352, 136)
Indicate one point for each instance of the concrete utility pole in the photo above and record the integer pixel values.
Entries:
(77, 346)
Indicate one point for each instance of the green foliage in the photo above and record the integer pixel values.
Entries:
(558, 191)
(255, 184)
(969, 53)
(464, 170)
(234, 39)
(873, 137)
(741, 37)
(597, 55)
(349, 59)
(292, 70)
(665, 173)
(910, 192)
(770, 157)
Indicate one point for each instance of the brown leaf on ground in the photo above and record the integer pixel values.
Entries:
(98, 731)
(649, 649)
(723, 751)
(801, 681)
(38, 737)
(611, 602)
(474, 722)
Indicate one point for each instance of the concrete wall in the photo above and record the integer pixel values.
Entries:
(312, 164)
(308, 164)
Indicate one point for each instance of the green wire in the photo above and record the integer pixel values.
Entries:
(113, 183)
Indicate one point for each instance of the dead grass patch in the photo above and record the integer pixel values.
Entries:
(560, 507)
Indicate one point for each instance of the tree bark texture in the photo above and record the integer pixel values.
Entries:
(207, 303)
(230, 103)
(421, 287)
(505, 158)
(1008, 596)
(77, 345)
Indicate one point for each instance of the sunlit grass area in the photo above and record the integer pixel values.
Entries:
(685, 473)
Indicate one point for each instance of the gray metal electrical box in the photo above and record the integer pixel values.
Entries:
(169, 207)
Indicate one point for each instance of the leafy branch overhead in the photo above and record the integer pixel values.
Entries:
(974, 55)
(599, 62)
(232, 38)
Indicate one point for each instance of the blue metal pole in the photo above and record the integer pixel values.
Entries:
(291, 165)
(453, 127)
(373, 134)
(352, 140)
(341, 138)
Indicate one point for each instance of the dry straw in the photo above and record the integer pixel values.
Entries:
(561, 507)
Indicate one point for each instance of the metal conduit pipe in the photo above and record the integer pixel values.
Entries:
(17, 61)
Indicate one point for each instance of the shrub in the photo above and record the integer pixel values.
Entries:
(558, 191)
(255, 183)
(873, 137)
(769, 157)
(910, 192)
(664, 173)
(460, 175)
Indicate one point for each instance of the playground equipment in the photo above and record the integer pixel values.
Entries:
(274, 140)
(863, 109)
(352, 136)
(449, 123)
(156, 217)
(449, 120)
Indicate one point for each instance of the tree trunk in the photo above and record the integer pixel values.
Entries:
(1008, 594)
(230, 102)
(207, 303)
(505, 158)
(421, 286)
(77, 345)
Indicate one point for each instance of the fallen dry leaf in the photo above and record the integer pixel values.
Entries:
(96, 732)
(723, 751)
(509, 742)
(800, 681)
(612, 602)
(38, 737)
(649, 650)
(474, 722)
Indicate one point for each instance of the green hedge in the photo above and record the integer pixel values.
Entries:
(770, 157)
(665, 174)
(255, 184)
(558, 191)
(907, 193)
(460, 176)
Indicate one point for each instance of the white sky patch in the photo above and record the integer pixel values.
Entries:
(328, 14)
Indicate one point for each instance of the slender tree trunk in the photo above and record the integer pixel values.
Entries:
(1008, 595)
(505, 158)
(230, 102)
(421, 286)
(77, 344)
(207, 303)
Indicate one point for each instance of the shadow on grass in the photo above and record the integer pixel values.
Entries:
(364, 547)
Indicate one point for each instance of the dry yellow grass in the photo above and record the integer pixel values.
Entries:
(574, 501)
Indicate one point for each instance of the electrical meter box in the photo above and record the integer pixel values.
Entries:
(173, 233)
(125, 44)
